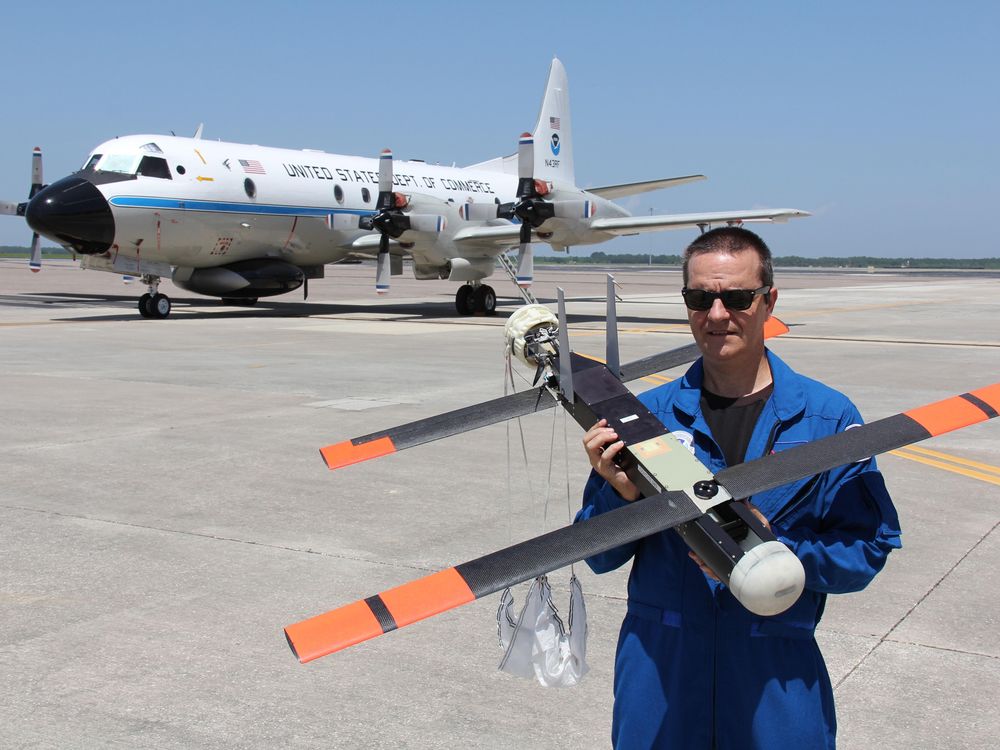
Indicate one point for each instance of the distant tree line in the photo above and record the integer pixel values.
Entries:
(786, 261)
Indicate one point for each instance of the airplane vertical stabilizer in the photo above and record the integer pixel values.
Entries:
(553, 131)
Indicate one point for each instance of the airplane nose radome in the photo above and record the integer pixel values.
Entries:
(73, 212)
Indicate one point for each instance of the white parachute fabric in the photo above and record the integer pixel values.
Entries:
(538, 644)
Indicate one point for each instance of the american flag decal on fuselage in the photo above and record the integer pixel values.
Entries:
(252, 166)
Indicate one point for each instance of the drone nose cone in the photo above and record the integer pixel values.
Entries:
(73, 212)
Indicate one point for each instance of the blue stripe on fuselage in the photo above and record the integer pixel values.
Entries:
(129, 201)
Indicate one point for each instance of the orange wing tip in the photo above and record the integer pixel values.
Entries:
(347, 453)
(333, 631)
(774, 327)
(427, 596)
(990, 395)
(957, 412)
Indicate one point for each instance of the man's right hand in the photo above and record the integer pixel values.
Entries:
(602, 445)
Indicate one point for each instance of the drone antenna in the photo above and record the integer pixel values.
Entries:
(611, 334)
(565, 366)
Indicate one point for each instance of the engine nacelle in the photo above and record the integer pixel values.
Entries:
(470, 269)
(245, 279)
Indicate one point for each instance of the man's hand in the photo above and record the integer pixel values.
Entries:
(602, 445)
(701, 563)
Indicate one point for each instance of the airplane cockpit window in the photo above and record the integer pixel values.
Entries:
(151, 148)
(121, 163)
(91, 164)
(154, 166)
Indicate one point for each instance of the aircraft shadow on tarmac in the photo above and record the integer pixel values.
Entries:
(199, 308)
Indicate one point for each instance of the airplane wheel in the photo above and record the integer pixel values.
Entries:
(486, 300)
(159, 306)
(465, 302)
(144, 305)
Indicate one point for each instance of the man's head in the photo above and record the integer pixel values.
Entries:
(731, 240)
(724, 260)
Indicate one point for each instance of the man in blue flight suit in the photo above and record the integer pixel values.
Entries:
(695, 670)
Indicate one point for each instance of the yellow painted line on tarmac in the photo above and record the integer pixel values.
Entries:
(655, 378)
(951, 464)
(954, 459)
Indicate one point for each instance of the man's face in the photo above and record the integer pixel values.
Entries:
(726, 336)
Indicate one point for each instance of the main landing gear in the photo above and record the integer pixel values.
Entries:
(471, 299)
(153, 304)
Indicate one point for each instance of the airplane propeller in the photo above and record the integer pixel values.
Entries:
(19, 209)
(390, 220)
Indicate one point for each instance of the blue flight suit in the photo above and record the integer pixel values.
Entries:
(695, 670)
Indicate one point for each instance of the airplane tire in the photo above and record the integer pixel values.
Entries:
(465, 301)
(144, 305)
(486, 300)
(159, 306)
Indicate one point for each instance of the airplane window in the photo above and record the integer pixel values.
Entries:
(154, 166)
(338, 193)
(180, 169)
(250, 188)
(151, 148)
(123, 163)
(366, 196)
(91, 164)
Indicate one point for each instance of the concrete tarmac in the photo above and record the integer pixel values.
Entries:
(164, 511)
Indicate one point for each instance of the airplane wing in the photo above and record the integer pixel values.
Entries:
(507, 235)
(637, 224)
(450, 588)
(634, 188)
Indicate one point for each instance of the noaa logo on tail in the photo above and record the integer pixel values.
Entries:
(554, 145)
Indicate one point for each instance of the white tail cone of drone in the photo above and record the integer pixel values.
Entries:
(768, 579)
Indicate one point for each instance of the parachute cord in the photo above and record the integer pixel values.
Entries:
(569, 501)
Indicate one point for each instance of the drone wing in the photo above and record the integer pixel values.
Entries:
(453, 587)
(500, 409)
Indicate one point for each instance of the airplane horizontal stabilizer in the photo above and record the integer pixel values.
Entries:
(635, 188)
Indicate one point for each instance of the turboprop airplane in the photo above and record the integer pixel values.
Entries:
(677, 491)
(241, 222)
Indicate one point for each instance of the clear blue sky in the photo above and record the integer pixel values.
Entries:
(879, 117)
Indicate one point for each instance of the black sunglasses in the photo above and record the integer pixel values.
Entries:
(733, 299)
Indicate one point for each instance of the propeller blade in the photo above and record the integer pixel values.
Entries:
(36, 172)
(439, 592)
(478, 211)
(382, 270)
(483, 414)
(430, 223)
(35, 263)
(385, 180)
(343, 222)
(8, 208)
(857, 444)
(526, 157)
(525, 263)
(574, 209)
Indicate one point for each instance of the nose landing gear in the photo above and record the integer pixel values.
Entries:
(153, 304)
